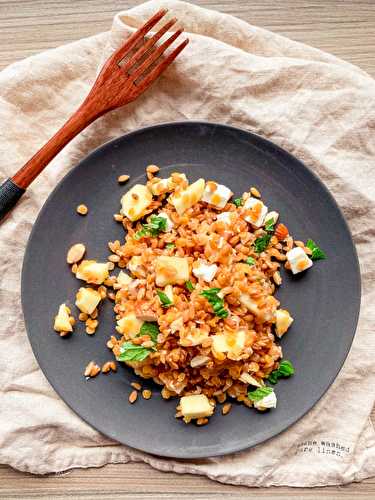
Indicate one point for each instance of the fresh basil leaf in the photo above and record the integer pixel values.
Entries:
(262, 242)
(317, 253)
(285, 370)
(217, 303)
(151, 329)
(131, 352)
(238, 202)
(189, 286)
(164, 299)
(140, 234)
(210, 292)
(269, 226)
(152, 228)
(250, 261)
(259, 393)
(170, 245)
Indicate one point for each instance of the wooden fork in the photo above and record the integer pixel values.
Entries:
(117, 85)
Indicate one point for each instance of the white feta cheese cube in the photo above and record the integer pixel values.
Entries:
(269, 401)
(129, 325)
(92, 272)
(274, 216)
(205, 271)
(298, 260)
(135, 202)
(283, 321)
(159, 187)
(171, 270)
(124, 279)
(135, 266)
(216, 194)
(169, 225)
(196, 406)
(62, 321)
(226, 217)
(229, 342)
(185, 199)
(87, 300)
(256, 211)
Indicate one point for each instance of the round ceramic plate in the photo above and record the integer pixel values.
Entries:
(324, 301)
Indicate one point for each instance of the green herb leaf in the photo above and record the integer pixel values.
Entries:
(189, 285)
(259, 393)
(270, 225)
(140, 234)
(217, 303)
(152, 228)
(210, 292)
(317, 253)
(151, 329)
(262, 242)
(285, 370)
(131, 352)
(170, 245)
(250, 261)
(238, 202)
(164, 299)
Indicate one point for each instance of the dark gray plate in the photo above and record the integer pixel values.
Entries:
(324, 301)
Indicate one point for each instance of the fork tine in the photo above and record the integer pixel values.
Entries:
(163, 65)
(150, 43)
(138, 35)
(154, 56)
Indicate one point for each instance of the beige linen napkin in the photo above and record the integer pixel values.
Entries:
(317, 107)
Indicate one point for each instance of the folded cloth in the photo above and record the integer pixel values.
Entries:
(316, 106)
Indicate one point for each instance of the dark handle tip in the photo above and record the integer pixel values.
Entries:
(10, 193)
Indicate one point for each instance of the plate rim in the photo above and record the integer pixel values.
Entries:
(271, 145)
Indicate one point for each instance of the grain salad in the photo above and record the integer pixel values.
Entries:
(194, 298)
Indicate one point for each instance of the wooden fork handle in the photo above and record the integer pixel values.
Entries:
(12, 189)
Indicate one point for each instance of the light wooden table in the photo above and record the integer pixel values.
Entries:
(344, 28)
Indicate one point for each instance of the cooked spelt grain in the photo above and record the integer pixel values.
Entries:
(133, 397)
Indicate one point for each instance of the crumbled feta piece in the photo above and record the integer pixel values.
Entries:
(171, 270)
(87, 300)
(272, 215)
(168, 290)
(266, 313)
(226, 217)
(129, 325)
(256, 211)
(194, 337)
(174, 179)
(62, 322)
(124, 279)
(283, 321)
(135, 266)
(169, 225)
(205, 271)
(268, 401)
(177, 325)
(229, 342)
(216, 194)
(92, 272)
(186, 198)
(159, 187)
(135, 202)
(249, 303)
(196, 406)
(298, 260)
